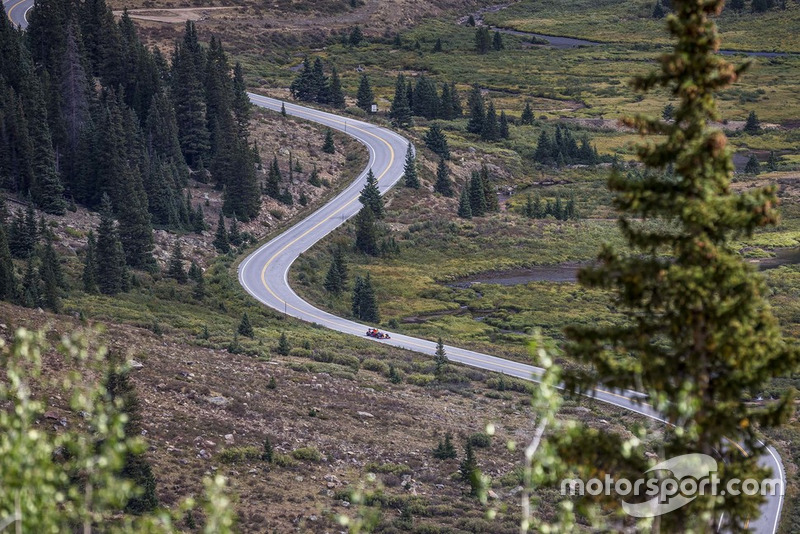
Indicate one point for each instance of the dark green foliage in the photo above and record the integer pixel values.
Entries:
(241, 102)
(736, 5)
(752, 125)
(410, 176)
(483, 41)
(30, 285)
(273, 384)
(437, 47)
(471, 21)
(283, 345)
(267, 451)
(328, 146)
(394, 376)
(53, 284)
(245, 328)
(89, 277)
(365, 97)
(658, 11)
(497, 41)
(563, 149)
(283, 109)
(464, 206)
(443, 185)
(335, 93)
(356, 36)
(364, 303)
(440, 359)
(314, 178)
(371, 196)
(234, 235)
(503, 129)
(477, 197)
(772, 162)
(221, 242)
(445, 450)
(336, 278)
(480, 440)
(188, 94)
(274, 178)
(112, 274)
(366, 232)
(477, 110)
(468, 468)
(491, 128)
(199, 291)
(668, 112)
(436, 141)
(400, 112)
(489, 192)
(23, 233)
(8, 280)
(175, 268)
(696, 333)
(426, 99)
(752, 167)
(527, 114)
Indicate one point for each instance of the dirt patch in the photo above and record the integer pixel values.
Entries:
(173, 16)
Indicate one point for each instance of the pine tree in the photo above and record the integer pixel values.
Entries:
(89, 277)
(355, 302)
(199, 291)
(698, 333)
(112, 274)
(436, 141)
(445, 450)
(303, 87)
(267, 453)
(221, 242)
(30, 285)
(527, 114)
(175, 269)
(736, 5)
(234, 235)
(752, 167)
(437, 47)
(8, 280)
(241, 102)
(336, 94)
(368, 303)
(658, 11)
(471, 21)
(283, 345)
(51, 275)
(24, 234)
(365, 97)
(46, 189)
(668, 112)
(314, 178)
(440, 359)
(320, 82)
(772, 162)
(489, 192)
(468, 468)
(410, 175)
(356, 36)
(477, 197)
(497, 41)
(503, 131)
(426, 99)
(477, 111)
(482, 40)
(195, 273)
(491, 129)
(464, 207)
(274, 178)
(188, 94)
(400, 112)
(371, 196)
(366, 233)
(752, 125)
(245, 328)
(135, 231)
(443, 185)
(328, 146)
(336, 278)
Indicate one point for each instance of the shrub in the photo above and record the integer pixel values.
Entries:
(283, 460)
(307, 454)
(480, 439)
(371, 364)
(235, 455)
(419, 379)
(387, 468)
(348, 361)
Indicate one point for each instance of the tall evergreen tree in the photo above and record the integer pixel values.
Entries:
(53, 283)
(364, 301)
(477, 111)
(188, 94)
(112, 275)
(440, 358)
(464, 205)
(303, 87)
(371, 196)
(366, 233)
(400, 111)
(489, 192)
(443, 184)
(336, 277)
(274, 178)
(527, 114)
(426, 99)
(320, 82)
(483, 41)
(752, 125)
(497, 41)
(491, 129)
(365, 97)
(477, 197)
(436, 141)
(752, 166)
(336, 94)
(221, 242)
(503, 129)
(245, 328)
(698, 335)
(241, 102)
(410, 176)
(328, 147)
(8, 280)
(175, 270)
(89, 277)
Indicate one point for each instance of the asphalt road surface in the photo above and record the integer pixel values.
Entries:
(264, 273)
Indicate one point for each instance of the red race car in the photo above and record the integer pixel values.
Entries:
(377, 334)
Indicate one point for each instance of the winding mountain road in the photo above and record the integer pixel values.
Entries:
(264, 274)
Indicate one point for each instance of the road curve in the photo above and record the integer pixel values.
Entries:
(265, 273)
